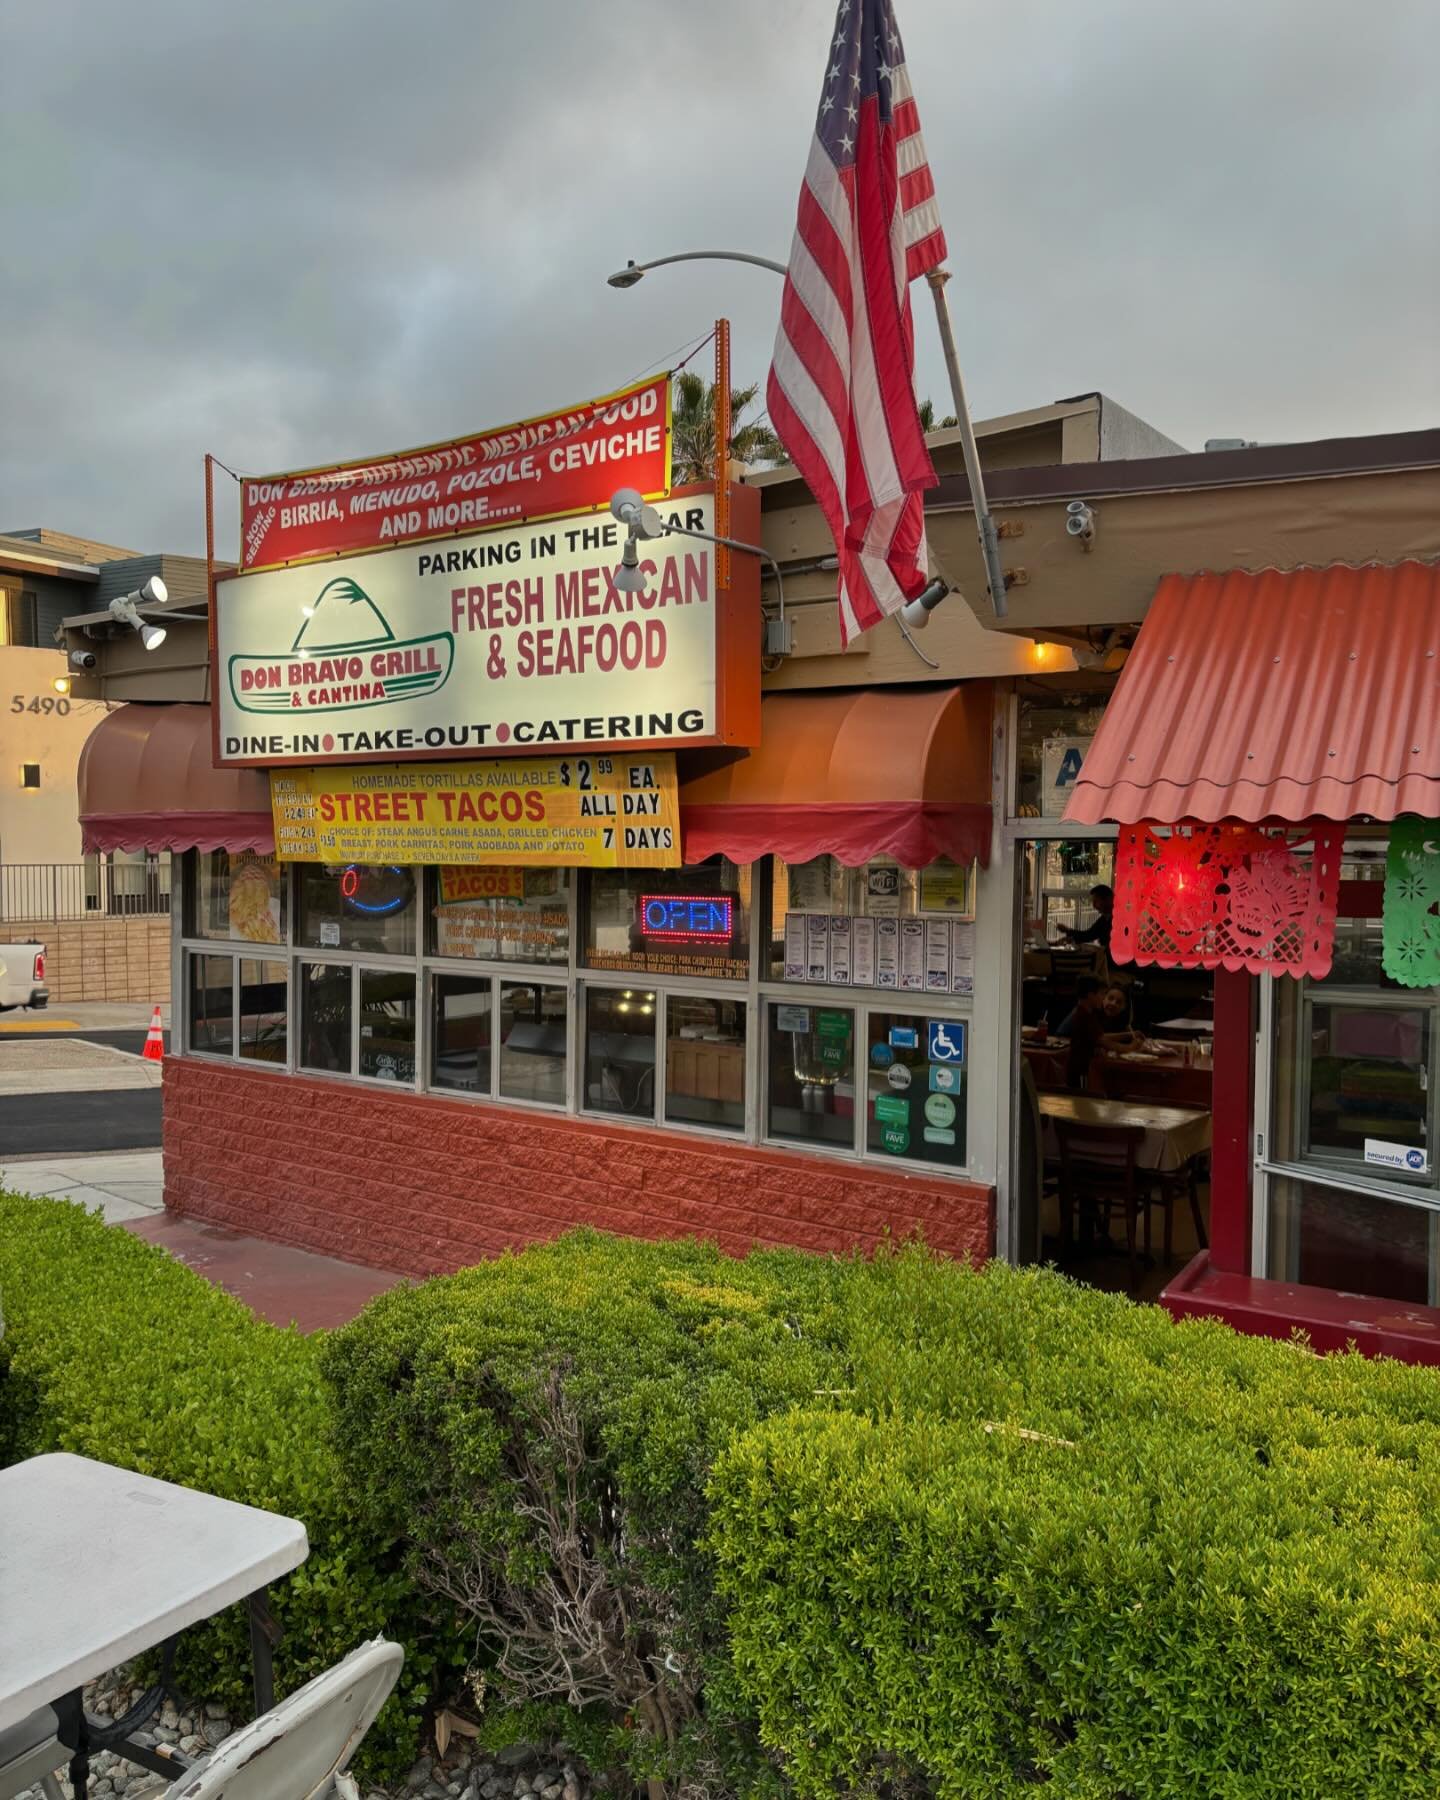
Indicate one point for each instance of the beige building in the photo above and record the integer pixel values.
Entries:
(103, 920)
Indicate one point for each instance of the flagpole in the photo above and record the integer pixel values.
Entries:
(984, 524)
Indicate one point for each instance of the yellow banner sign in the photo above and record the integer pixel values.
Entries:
(599, 812)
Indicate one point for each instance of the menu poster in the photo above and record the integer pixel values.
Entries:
(794, 946)
(817, 946)
(840, 950)
(912, 955)
(962, 956)
(937, 956)
(887, 953)
(862, 953)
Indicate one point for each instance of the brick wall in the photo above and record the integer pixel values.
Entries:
(421, 1185)
(100, 959)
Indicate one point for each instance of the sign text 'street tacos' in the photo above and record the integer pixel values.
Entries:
(543, 468)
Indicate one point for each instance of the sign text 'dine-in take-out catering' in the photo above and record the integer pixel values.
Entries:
(544, 468)
(504, 641)
(582, 811)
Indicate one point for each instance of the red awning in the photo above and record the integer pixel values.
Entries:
(899, 772)
(148, 782)
(1292, 695)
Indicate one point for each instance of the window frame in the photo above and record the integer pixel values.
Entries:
(758, 991)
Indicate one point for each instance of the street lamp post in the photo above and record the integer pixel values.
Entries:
(633, 271)
(936, 279)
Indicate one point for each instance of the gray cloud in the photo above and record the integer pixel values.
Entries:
(288, 233)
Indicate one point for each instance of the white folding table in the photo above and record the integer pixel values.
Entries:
(98, 1564)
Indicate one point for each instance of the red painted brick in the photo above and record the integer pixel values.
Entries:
(421, 1185)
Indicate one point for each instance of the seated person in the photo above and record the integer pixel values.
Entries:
(1100, 1021)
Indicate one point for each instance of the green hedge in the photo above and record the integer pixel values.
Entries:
(114, 1350)
(541, 1430)
(1058, 1541)
(789, 1525)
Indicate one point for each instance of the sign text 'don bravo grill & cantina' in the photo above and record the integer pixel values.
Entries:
(494, 643)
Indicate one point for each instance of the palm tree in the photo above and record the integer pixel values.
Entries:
(927, 417)
(693, 430)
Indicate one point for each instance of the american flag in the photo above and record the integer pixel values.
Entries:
(841, 391)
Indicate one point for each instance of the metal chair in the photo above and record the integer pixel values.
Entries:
(31, 1752)
(298, 1750)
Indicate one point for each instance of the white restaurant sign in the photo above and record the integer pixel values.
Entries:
(500, 641)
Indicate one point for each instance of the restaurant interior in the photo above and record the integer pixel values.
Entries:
(1116, 1066)
(1115, 1061)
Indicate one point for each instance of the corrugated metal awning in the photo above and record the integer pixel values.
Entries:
(1287, 695)
(148, 781)
(898, 772)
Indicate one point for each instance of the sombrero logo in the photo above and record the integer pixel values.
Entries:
(344, 656)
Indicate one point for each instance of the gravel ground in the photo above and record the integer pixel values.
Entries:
(462, 1774)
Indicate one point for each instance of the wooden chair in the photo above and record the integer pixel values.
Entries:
(1171, 1185)
(1099, 1171)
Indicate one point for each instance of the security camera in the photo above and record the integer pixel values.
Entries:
(1080, 520)
(917, 613)
(82, 659)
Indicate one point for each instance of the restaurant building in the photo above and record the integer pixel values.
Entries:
(803, 1024)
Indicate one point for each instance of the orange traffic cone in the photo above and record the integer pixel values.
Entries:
(154, 1050)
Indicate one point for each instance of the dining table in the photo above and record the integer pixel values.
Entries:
(1166, 1075)
(1049, 1060)
(1174, 1135)
(97, 1566)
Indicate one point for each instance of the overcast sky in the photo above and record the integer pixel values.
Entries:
(291, 231)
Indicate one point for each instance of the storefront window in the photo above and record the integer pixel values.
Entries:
(387, 1025)
(692, 922)
(1055, 732)
(460, 1058)
(812, 1074)
(915, 1077)
(620, 1051)
(325, 1003)
(212, 995)
(237, 897)
(1355, 1098)
(359, 906)
(264, 1008)
(501, 914)
(534, 1029)
(1357, 1242)
(704, 1061)
(875, 926)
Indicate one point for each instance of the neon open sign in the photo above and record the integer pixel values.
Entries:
(687, 918)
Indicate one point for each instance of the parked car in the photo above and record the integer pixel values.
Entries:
(22, 977)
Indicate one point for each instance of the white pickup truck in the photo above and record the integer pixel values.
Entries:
(22, 977)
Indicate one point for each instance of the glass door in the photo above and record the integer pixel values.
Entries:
(1349, 1188)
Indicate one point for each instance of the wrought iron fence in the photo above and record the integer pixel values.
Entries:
(98, 889)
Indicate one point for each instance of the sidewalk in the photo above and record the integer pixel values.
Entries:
(278, 1283)
(121, 1185)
